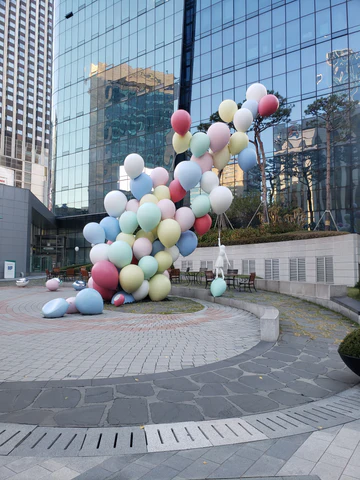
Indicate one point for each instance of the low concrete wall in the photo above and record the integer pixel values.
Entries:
(269, 316)
(302, 289)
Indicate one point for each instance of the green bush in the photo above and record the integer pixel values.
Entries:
(351, 344)
(77, 267)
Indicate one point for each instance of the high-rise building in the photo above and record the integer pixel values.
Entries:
(26, 28)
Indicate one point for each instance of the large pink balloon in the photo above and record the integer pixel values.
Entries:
(167, 208)
(181, 122)
(104, 292)
(52, 284)
(105, 274)
(142, 247)
(159, 176)
(219, 134)
(185, 218)
(177, 192)
(72, 307)
(205, 162)
(268, 105)
(132, 205)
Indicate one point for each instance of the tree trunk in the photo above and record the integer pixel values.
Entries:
(262, 166)
(309, 197)
(328, 164)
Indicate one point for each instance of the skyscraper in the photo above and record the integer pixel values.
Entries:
(26, 28)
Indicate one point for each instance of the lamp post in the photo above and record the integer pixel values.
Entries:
(76, 250)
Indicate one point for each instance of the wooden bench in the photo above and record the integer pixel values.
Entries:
(248, 282)
(231, 277)
(209, 277)
(174, 274)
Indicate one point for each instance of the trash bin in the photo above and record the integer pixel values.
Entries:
(9, 268)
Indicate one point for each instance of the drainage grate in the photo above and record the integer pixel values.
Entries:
(13, 435)
(175, 436)
(114, 441)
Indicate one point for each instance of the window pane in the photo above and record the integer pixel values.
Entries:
(307, 28)
(338, 15)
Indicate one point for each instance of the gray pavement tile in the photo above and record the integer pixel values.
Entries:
(217, 407)
(261, 382)
(137, 390)
(21, 464)
(178, 462)
(287, 398)
(161, 472)
(254, 367)
(6, 473)
(13, 400)
(209, 377)
(237, 387)
(220, 454)
(331, 385)
(266, 465)
(152, 459)
(63, 473)
(29, 417)
(98, 394)
(310, 367)
(58, 398)
(193, 454)
(212, 389)
(128, 411)
(95, 473)
(283, 377)
(180, 384)
(130, 472)
(164, 412)
(199, 469)
(32, 473)
(231, 373)
(283, 448)
(114, 464)
(280, 356)
(235, 466)
(174, 396)
(80, 416)
(308, 389)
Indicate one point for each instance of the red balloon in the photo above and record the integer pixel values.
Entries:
(119, 300)
(202, 224)
(105, 274)
(104, 292)
(268, 105)
(177, 192)
(181, 122)
(134, 260)
(109, 242)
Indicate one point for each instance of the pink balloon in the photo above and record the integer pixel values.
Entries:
(167, 274)
(159, 176)
(119, 300)
(219, 134)
(268, 105)
(142, 247)
(181, 122)
(52, 284)
(90, 283)
(167, 208)
(72, 307)
(185, 218)
(202, 224)
(109, 242)
(104, 292)
(105, 274)
(177, 192)
(205, 162)
(132, 205)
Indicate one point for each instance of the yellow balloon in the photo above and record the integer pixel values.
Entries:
(169, 232)
(149, 198)
(131, 278)
(159, 287)
(161, 192)
(221, 159)
(164, 260)
(154, 232)
(181, 144)
(227, 110)
(238, 141)
(142, 234)
(126, 237)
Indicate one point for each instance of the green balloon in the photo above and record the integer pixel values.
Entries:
(149, 265)
(148, 216)
(217, 287)
(120, 254)
(200, 205)
(199, 144)
(128, 222)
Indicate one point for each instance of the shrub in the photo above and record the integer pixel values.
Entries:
(351, 344)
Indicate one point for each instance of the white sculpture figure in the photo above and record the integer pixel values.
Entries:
(219, 264)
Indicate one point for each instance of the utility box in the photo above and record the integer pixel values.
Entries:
(9, 269)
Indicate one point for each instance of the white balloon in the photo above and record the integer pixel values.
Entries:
(256, 91)
(174, 252)
(220, 199)
(134, 165)
(141, 292)
(209, 181)
(99, 252)
(243, 119)
(115, 203)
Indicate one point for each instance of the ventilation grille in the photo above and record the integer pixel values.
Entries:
(248, 266)
(272, 269)
(324, 270)
(297, 270)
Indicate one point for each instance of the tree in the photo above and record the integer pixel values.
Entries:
(333, 113)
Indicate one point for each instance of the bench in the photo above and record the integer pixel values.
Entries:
(174, 274)
(247, 282)
(209, 277)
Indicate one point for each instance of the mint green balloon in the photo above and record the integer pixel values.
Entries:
(120, 253)
(128, 222)
(148, 216)
(200, 205)
(217, 287)
(199, 144)
(149, 265)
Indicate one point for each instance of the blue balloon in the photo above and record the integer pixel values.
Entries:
(89, 302)
(55, 308)
(94, 233)
(217, 287)
(111, 227)
(247, 159)
(128, 297)
(187, 243)
(251, 105)
(189, 174)
(141, 186)
(79, 285)
(157, 247)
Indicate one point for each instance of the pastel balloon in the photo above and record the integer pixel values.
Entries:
(94, 233)
(55, 308)
(142, 247)
(255, 92)
(217, 287)
(159, 287)
(149, 266)
(162, 192)
(205, 162)
(164, 260)
(219, 134)
(72, 307)
(99, 252)
(185, 218)
(238, 141)
(115, 203)
(209, 181)
(166, 273)
(89, 302)
(52, 284)
(141, 234)
(169, 232)
(120, 254)
(119, 299)
(268, 105)
(181, 144)
(222, 158)
(188, 174)
(131, 277)
(202, 224)
(141, 185)
(141, 292)
(128, 222)
(167, 208)
(111, 227)
(149, 216)
(128, 297)
(177, 192)
(126, 237)
(187, 243)
(90, 283)
(181, 121)
(159, 176)
(132, 205)
(227, 110)
(199, 144)
(247, 159)
(200, 205)
(251, 105)
(148, 198)
(133, 165)
(243, 118)
(105, 293)
(220, 199)
(174, 252)
(157, 246)
(105, 274)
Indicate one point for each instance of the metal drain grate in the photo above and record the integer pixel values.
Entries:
(13, 435)
(114, 441)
